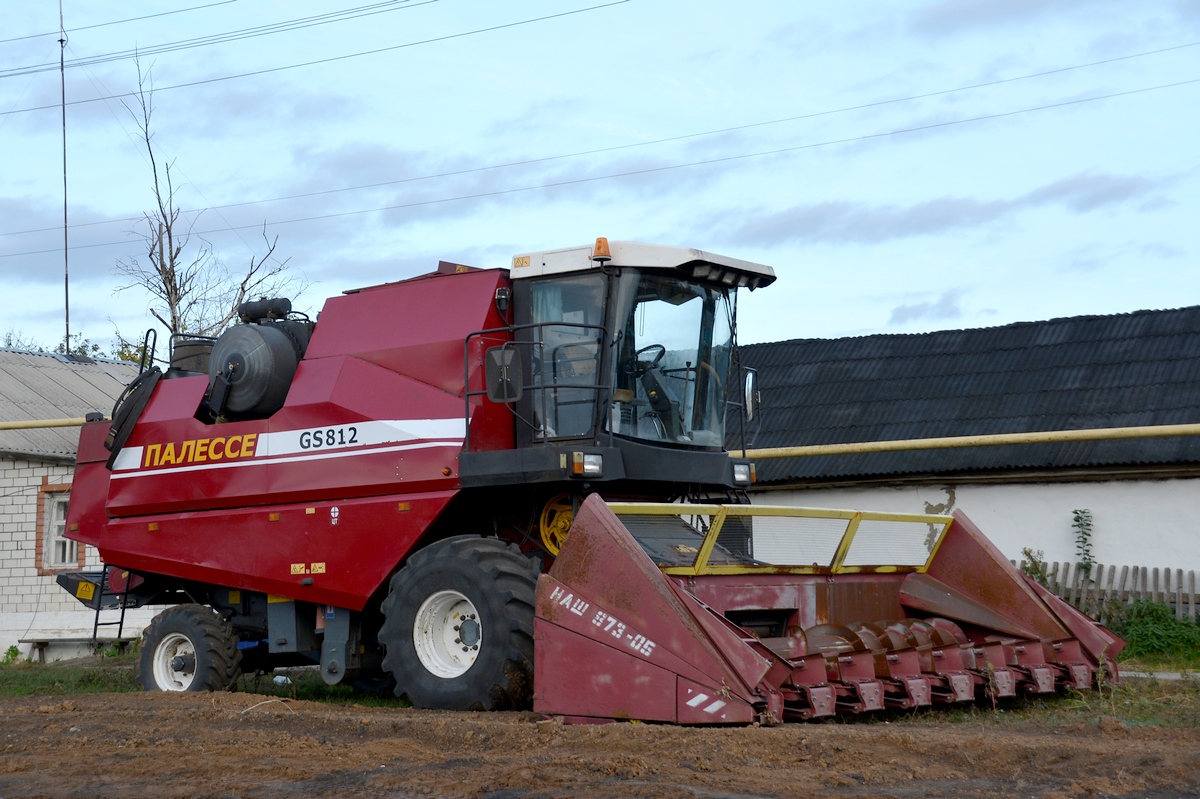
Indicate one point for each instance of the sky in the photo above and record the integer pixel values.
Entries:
(904, 167)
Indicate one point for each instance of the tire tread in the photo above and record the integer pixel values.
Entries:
(512, 577)
(212, 634)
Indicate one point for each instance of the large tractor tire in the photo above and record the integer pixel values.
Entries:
(188, 648)
(458, 626)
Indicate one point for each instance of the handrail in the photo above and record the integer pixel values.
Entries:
(720, 513)
(542, 389)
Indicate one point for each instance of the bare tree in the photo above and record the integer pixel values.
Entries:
(193, 290)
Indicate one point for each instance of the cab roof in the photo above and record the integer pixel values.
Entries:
(699, 264)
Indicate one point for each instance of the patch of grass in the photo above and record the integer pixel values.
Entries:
(1162, 703)
(116, 655)
(1183, 664)
(307, 684)
(58, 679)
(118, 673)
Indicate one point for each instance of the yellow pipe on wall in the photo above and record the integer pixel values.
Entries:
(954, 442)
(38, 423)
(861, 447)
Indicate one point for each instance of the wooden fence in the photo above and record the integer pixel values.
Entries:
(1093, 589)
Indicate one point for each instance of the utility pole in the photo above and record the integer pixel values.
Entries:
(62, 74)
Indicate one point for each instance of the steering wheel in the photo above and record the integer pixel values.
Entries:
(653, 361)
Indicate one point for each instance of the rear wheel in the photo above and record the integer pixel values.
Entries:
(188, 648)
(458, 626)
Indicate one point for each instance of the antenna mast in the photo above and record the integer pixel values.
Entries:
(62, 73)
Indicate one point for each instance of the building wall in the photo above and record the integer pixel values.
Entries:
(32, 605)
(1153, 523)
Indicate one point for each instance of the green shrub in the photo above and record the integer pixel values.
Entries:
(1033, 563)
(1152, 629)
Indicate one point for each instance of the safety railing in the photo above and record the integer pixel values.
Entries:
(760, 539)
(557, 383)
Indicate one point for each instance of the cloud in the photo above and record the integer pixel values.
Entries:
(1158, 249)
(945, 307)
(1094, 257)
(950, 17)
(1088, 259)
(31, 240)
(465, 185)
(842, 221)
(863, 223)
(1088, 191)
(268, 110)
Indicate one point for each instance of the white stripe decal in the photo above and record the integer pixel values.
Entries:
(128, 458)
(697, 700)
(314, 443)
(714, 707)
(359, 434)
(298, 459)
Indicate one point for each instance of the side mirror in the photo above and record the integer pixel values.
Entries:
(503, 373)
(751, 393)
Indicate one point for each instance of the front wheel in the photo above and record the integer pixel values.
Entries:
(458, 626)
(188, 648)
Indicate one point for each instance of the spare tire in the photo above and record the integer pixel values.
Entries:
(259, 361)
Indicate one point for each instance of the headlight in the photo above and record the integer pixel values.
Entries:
(743, 473)
(586, 465)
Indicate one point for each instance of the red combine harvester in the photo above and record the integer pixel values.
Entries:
(387, 493)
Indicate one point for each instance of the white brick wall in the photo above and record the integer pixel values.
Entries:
(33, 605)
(26, 596)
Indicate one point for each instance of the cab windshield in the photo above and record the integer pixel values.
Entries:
(671, 353)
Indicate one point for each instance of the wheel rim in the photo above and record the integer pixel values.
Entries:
(175, 663)
(447, 634)
(555, 522)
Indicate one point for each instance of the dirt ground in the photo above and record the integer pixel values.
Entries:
(242, 745)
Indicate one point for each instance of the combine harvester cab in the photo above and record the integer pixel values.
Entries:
(698, 614)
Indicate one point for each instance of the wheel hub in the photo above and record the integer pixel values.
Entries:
(184, 664)
(468, 633)
(174, 663)
(447, 634)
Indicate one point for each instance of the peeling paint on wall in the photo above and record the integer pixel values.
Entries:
(940, 509)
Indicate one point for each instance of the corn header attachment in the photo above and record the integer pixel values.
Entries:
(717, 614)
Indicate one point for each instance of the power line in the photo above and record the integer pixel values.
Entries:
(117, 22)
(718, 131)
(667, 140)
(332, 59)
(230, 36)
(21, 96)
(668, 167)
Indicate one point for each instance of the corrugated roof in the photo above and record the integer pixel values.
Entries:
(45, 386)
(1131, 369)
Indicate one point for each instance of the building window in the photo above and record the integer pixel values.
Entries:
(60, 551)
(55, 552)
